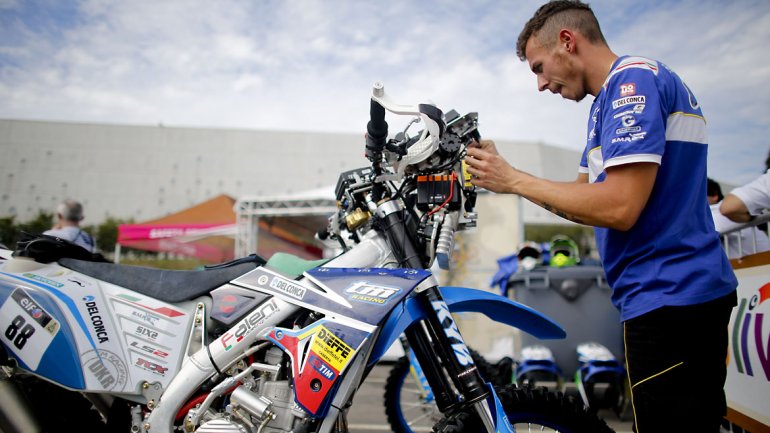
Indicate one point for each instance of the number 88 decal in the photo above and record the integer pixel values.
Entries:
(19, 332)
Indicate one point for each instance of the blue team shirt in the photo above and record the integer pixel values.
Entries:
(672, 256)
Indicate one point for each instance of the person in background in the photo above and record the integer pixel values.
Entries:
(744, 203)
(641, 184)
(69, 213)
(739, 244)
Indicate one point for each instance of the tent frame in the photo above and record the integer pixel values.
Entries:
(248, 210)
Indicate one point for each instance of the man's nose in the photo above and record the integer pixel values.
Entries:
(542, 83)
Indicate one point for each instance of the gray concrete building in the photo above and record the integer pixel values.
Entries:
(145, 172)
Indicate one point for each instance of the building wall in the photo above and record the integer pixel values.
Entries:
(145, 172)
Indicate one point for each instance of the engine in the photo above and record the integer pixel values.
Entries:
(256, 398)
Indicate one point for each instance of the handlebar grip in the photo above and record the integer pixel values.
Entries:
(377, 128)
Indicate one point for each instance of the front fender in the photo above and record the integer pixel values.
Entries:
(503, 310)
(465, 300)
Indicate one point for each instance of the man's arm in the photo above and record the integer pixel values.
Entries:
(615, 203)
(734, 208)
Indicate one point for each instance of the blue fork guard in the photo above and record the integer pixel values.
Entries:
(502, 422)
(465, 300)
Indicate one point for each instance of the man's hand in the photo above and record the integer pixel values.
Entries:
(488, 168)
(487, 145)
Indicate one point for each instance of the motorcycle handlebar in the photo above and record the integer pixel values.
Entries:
(377, 128)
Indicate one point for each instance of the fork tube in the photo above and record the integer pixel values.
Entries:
(452, 349)
(421, 345)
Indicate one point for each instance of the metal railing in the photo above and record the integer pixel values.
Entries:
(735, 233)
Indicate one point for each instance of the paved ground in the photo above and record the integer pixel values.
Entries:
(368, 415)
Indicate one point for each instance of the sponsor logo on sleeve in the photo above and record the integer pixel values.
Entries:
(630, 137)
(628, 100)
(628, 89)
(628, 129)
(628, 120)
(638, 109)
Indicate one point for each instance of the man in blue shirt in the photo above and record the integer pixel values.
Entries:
(642, 184)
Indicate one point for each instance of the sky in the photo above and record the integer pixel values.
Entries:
(309, 65)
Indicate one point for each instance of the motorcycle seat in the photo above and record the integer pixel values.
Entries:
(163, 284)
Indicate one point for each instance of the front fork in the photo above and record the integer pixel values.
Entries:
(446, 360)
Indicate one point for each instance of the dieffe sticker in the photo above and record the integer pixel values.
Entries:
(26, 328)
(332, 349)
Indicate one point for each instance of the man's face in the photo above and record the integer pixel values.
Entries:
(555, 69)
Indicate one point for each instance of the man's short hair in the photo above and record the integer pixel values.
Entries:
(556, 15)
(713, 189)
(70, 210)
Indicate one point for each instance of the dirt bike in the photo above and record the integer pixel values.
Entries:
(268, 346)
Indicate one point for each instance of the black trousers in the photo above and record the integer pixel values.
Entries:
(677, 365)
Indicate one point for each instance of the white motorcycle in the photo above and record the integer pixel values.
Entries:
(276, 346)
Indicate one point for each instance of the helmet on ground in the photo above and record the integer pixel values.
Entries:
(564, 252)
(530, 255)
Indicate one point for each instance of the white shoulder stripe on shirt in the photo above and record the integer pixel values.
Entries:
(634, 62)
(686, 127)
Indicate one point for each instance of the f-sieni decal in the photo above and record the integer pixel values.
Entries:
(450, 329)
(97, 324)
(249, 324)
(373, 294)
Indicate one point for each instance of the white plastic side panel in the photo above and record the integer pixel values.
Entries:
(123, 338)
(152, 333)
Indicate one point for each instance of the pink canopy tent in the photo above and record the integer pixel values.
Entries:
(207, 231)
(186, 239)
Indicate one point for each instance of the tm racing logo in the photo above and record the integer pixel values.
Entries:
(363, 291)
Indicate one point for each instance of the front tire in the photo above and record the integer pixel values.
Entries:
(406, 409)
(531, 409)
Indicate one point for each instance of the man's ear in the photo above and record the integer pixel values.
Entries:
(567, 40)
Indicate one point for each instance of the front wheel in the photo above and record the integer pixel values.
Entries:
(408, 409)
(531, 409)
